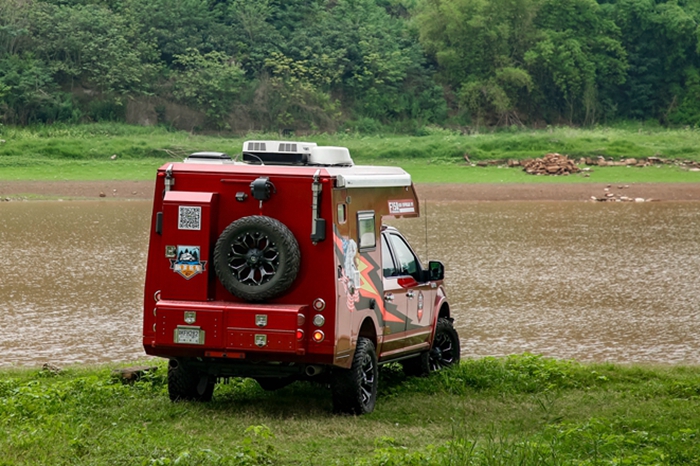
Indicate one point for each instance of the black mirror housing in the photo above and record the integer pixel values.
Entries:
(437, 270)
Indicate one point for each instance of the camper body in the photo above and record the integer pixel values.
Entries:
(278, 268)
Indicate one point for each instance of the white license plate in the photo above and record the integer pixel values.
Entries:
(189, 336)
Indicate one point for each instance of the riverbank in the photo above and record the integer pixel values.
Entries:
(123, 189)
(524, 410)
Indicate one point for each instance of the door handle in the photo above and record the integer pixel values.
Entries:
(410, 294)
(389, 297)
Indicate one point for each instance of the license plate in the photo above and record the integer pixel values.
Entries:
(189, 335)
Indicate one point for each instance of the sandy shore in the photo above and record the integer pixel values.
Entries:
(10, 190)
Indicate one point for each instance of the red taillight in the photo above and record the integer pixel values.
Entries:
(300, 334)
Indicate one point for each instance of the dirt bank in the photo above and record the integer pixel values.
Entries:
(433, 192)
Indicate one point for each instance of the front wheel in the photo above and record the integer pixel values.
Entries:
(445, 352)
(355, 389)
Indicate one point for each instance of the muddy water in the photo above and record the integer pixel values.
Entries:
(594, 282)
(564, 279)
(71, 281)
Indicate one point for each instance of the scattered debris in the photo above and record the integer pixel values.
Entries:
(610, 196)
(551, 164)
(113, 157)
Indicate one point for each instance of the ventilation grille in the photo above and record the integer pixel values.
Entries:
(257, 146)
(285, 147)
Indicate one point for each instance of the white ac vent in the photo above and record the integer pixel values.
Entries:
(287, 147)
(257, 146)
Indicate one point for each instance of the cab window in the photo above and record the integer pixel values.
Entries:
(388, 265)
(406, 261)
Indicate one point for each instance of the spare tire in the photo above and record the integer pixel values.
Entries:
(256, 258)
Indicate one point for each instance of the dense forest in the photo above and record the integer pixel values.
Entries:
(328, 65)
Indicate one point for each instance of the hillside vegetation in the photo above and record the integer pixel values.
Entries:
(357, 65)
(111, 151)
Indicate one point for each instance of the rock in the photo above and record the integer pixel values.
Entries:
(102, 194)
(114, 157)
(132, 374)
(638, 199)
(550, 164)
(49, 367)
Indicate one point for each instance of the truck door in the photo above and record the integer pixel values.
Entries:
(402, 287)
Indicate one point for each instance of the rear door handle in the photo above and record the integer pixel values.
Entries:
(389, 297)
(410, 294)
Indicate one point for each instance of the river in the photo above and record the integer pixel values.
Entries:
(576, 280)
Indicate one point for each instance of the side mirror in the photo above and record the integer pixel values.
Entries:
(437, 270)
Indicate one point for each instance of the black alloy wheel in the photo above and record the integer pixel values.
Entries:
(256, 258)
(355, 389)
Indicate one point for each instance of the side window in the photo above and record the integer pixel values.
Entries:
(342, 213)
(365, 227)
(388, 265)
(406, 262)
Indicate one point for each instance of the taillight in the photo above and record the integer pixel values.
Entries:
(318, 336)
(300, 334)
(319, 304)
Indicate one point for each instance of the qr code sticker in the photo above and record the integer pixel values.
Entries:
(190, 218)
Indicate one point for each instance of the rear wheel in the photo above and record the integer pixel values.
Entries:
(445, 352)
(355, 389)
(187, 384)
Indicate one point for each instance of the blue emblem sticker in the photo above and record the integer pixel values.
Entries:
(187, 262)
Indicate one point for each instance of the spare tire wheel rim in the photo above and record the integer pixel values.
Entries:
(254, 258)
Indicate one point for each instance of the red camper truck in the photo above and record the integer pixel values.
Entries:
(277, 267)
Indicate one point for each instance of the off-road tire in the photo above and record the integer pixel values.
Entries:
(443, 353)
(256, 249)
(187, 384)
(355, 389)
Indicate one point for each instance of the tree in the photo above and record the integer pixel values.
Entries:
(210, 82)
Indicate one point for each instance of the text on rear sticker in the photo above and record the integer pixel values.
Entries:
(402, 207)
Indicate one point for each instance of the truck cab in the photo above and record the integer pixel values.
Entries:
(276, 265)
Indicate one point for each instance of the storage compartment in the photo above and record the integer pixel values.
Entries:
(188, 234)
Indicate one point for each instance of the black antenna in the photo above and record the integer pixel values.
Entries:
(425, 205)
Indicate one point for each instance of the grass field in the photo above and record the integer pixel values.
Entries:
(524, 410)
(85, 152)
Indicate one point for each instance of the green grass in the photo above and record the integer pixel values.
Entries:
(84, 152)
(523, 410)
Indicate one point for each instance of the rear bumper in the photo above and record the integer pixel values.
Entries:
(229, 331)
